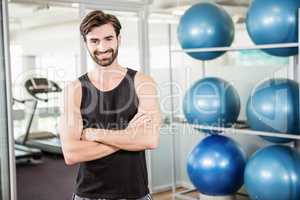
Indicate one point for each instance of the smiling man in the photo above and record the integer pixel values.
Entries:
(110, 117)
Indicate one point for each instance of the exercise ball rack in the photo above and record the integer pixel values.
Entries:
(236, 128)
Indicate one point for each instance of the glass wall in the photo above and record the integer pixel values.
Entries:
(44, 40)
(44, 43)
(7, 168)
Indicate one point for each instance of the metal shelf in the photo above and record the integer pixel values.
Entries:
(236, 129)
(237, 48)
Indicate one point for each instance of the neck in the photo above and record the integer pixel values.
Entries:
(113, 66)
(107, 72)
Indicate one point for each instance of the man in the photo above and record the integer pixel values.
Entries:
(110, 117)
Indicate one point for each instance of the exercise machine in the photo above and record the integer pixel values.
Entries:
(24, 154)
(39, 89)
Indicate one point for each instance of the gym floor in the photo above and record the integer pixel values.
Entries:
(49, 180)
(52, 179)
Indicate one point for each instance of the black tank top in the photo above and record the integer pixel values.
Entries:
(123, 174)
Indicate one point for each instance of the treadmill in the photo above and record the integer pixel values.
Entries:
(46, 141)
(26, 155)
(23, 154)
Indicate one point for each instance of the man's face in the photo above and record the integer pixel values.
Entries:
(103, 44)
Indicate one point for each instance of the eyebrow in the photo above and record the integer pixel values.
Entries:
(109, 37)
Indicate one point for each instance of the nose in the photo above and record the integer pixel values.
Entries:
(102, 46)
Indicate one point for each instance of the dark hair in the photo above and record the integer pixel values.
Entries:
(98, 18)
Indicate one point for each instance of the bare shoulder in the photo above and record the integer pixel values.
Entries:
(148, 93)
(74, 87)
(142, 78)
(72, 93)
(145, 84)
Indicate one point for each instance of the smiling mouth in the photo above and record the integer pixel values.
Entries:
(103, 54)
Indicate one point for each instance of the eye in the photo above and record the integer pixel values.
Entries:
(94, 41)
(109, 38)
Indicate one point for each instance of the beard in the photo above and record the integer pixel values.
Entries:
(105, 61)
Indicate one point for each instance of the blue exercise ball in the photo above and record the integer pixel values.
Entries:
(274, 21)
(273, 173)
(273, 106)
(211, 101)
(216, 166)
(205, 25)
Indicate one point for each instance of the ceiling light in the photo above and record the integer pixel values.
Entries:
(178, 12)
(75, 5)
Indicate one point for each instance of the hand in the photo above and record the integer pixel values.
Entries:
(140, 119)
(89, 134)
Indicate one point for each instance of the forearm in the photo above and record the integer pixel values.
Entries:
(77, 151)
(130, 139)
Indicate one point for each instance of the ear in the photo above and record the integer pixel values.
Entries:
(119, 40)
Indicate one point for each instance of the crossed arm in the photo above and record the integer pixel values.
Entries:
(89, 144)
